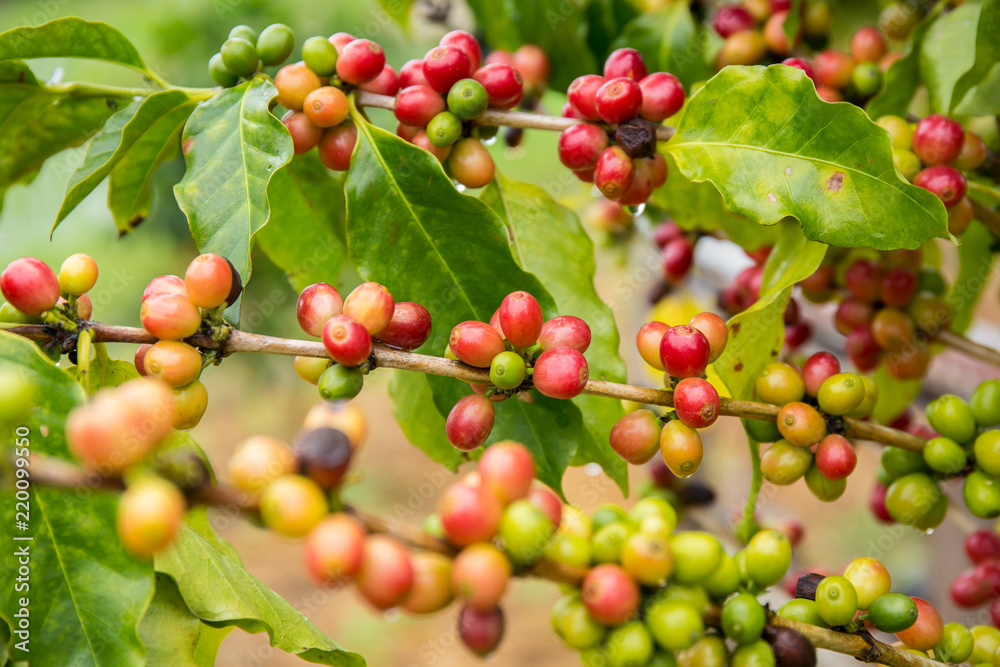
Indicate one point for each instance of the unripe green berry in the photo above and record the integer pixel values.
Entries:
(945, 455)
(239, 56)
(985, 403)
(468, 99)
(340, 382)
(243, 32)
(867, 78)
(444, 129)
(320, 56)
(275, 44)
(217, 70)
(507, 370)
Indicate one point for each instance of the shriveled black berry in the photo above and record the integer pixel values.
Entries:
(805, 587)
(324, 455)
(637, 137)
(790, 648)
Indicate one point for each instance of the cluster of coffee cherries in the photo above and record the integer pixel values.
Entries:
(676, 251)
(682, 352)
(35, 294)
(890, 306)
(348, 327)
(860, 597)
(175, 308)
(933, 154)
(625, 167)
(523, 350)
(812, 400)
(980, 584)
(754, 30)
(962, 442)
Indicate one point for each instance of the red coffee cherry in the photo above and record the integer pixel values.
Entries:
(613, 173)
(662, 96)
(863, 279)
(475, 343)
(862, 349)
(294, 82)
(799, 63)
(406, 132)
(479, 575)
(696, 402)
(731, 19)
(385, 575)
(561, 373)
(684, 351)
(982, 545)
(817, 369)
(170, 316)
(140, 358)
(370, 305)
(470, 422)
(570, 111)
(164, 285)
(533, 64)
(835, 457)
(469, 514)
(580, 146)
(78, 274)
(507, 469)
(927, 631)
(797, 334)
(340, 40)
(641, 186)
(316, 305)
(899, 286)
(431, 588)
(324, 455)
(565, 331)
(636, 436)
(521, 319)
(625, 63)
(386, 83)
(658, 168)
(678, 256)
(409, 327)
(416, 105)
(938, 139)
(465, 42)
(149, 516)
(546, 500)
(973, 152)
(851, 314)
(610, 595)
(29, 285)
(346, 341)
(305, 134)
(582, 94)
(334, 548)
(444, 66)
(360, 61)
(647, 340)
(969, 590)
(337, 145)
(946, 182)
(715, 330)
(868, 45)
(833, 68)
(326, 106)
(749, 282)
(503, 84)
(481, 631)
(412, 74)
(174, 362)
(423, 141)
(619, 99)
(208, 280)
(258, 461)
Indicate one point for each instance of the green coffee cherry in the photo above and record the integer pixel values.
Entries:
(898, 462)
(320, 56)
(725, 580)
(468, 99)
(525, 531)
(628, 644)
(574, 625)
(867, 78)
(217, 70)
(674, 625)
(569, 550)
(768, 555)
(982, 495)
(507, 370)
(654, 507)
(239, 56)
(912, 498)
(945, 455)
(987, 450)
(871, 399)
(893, 612)
(606, 514)
(17, 394)
(243, 32)
(985, 403)
(340, 382)
(761, 430)
(899, 131)
(836, 600)
(444, 129)
(955, 645)
(952, 417)
(743, 618)
(802, 610)
(696, 555)
(607, 543)
(275, 44)
(825, 489)
(907, 162)
(755, 654)
(841, 393)
(11, 315)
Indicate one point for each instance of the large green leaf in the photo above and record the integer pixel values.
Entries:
(37, 122)
(87, 594)
(894, 395)
(903, 77)
(399, 10)
(219, 590)
(975, 257)
(173, 635)
(303, 237)
(414, 409)
(70, 37)
(233, 145)
(670, 40)
(605, 20)
(774, 149)
(959, 51)
(547, 239)
(157, 117)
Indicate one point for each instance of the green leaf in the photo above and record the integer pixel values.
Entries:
(399, 10)
(952, 61)
(70, 37)
(975, 257)
(221, 592)
(159, 116)
(894, 395)
(670, 40)
(757, 334)
(984, 98)
(87, 594)
(793, 21)
(36, 122)
(233, 145)
(903, 77)
(605, 20)
(173, 635)
(774, 149)
(413, 408)
(547, 240)
(303, 237)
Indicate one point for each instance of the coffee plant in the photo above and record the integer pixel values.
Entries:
(844, 174)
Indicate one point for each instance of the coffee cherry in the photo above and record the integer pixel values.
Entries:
(561, 372)
(833, 68)
(294, 82)
(346, 341)
(952, 417)
(836, 600)
(731, 19)
(275, 44)
(409, 327)
(696, 555)
(469, 514)
(800, 424)
(898, 287)
(581, 145)
(525, 531)
(714, 329)
(292, 505)
(945, 455)
(743, 618)
(386, 83)
(762, 430)
(421, 140)
(610, 595)
(969, 590)
(646, 558)
(662, 96)
(982, 545)
(240, 56)
(898, 462)
(340, 382)
(696, 402)
(681, 448)
(956, 643)
(863, 280)
(784, 463)
(174, 362)
(326, 106)
(675, 625)
(337, 145)
(220, 75)
(149, 516)
(775, 37)
(868, 44)
(582, 94)
(636, 436)
(417, 105)
(768, 555)
(507, 468)
(746, 47)
(345, 417)
(481, 631)
(430, 590)
(607, 543)
(867, 79)
(385, 574)
(946, 182)
(841, 394)
(170, 316)
(444, 129)
(835, 457)
(618, 99)
(30, 286)
(320, 55)
(479, 576)
(520, 319)
(316, 305)
(305, 134)
(574, 625)
(471, 164)
(371, 306)
(648, 339)
(446, 65)
(324, 454)
(684, 351)
(614, 172)
(982, 495)
(475, 343)
(973, 152)
(817, 369)
(258, 461)
(862, 349)
(208, 280)
(677, 256)
(779, 384)
(334, 548)
(565, 331)
(467, 99)
(871, 581)
(78, 274)
(938, 140)
(470, 422)
(360, 61)
(824, 488)
(912, 499)
(893, 612)
(504, 85)
(928, 629)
